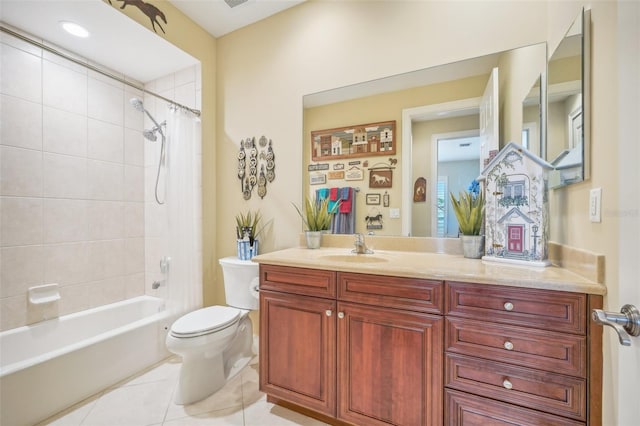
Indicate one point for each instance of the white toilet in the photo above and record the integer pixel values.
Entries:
(215, 342)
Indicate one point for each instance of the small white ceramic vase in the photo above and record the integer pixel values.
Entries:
(314, 238)
(472, 246)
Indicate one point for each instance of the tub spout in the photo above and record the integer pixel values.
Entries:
(156, 284)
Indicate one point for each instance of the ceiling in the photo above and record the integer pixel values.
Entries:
(218, 19)
(121, 44)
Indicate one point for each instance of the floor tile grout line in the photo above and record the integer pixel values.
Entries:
(244, 420)
(173, 394)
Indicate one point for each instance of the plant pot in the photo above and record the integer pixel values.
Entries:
(245, 250)
(472, 246)
(314, 238)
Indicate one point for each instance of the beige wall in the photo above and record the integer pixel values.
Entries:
(265, 69)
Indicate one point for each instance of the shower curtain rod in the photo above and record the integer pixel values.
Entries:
(94, 68)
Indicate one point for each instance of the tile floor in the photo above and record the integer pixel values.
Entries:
(146, 399)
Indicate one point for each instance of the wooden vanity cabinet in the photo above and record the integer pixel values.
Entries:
(360, 349)
(369, 355)
(520, 356)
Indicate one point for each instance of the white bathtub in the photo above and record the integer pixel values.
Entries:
(49, 366)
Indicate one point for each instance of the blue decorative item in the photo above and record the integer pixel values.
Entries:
(246, 251)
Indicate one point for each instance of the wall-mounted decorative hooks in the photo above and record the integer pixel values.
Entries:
(262, 161)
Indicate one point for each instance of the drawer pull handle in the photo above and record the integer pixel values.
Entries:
(507, 384)
(508, 345)
(508, 306)
(328, 312)
(340, 315)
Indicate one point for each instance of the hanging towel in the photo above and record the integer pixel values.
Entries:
(345, 223)
(322, 194)
(345, 200)
(333, 199)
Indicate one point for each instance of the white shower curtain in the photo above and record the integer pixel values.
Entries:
(183, 201)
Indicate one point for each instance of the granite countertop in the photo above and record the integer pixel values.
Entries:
(436, 266)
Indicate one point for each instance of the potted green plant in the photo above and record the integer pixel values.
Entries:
(469, 210)
(316, 217)
(247, 231)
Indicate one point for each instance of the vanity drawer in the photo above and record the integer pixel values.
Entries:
(462, 409)
(545, 309)
(538, 390)
(411, 294)
(528, 347)
(308, 282)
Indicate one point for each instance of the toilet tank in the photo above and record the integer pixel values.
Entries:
(241, 280)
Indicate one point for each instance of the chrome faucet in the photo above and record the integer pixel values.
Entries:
(361, 247)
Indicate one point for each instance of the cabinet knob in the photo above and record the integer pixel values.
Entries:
(507, 384)
(508, 345)
(340, 315)
(508, 306)
(328, 312)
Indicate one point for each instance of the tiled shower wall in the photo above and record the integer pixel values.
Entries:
(72, 191)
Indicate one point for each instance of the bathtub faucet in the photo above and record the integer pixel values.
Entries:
(156, 284)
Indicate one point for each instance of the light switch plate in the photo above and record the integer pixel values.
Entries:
(394, 213)
(595, 205)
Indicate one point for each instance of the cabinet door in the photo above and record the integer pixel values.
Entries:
(298, 350)
(389, 366)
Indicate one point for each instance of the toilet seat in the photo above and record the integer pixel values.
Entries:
(205, 321)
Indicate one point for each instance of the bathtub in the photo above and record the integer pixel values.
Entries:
(49, 366)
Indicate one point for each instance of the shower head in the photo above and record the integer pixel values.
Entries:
(150, 135)
(137, 104)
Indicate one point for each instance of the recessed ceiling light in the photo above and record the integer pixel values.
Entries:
(74, 29)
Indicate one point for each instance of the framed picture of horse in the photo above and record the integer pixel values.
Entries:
(380, 178)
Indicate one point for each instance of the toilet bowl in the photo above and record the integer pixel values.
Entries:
(216, 342)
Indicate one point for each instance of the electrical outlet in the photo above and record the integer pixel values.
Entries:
(394, 213)
(595, 205)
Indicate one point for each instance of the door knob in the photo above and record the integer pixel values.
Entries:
(625, 323)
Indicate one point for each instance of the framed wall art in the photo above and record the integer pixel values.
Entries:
(361, 140)
(373, 199)
(380, 178)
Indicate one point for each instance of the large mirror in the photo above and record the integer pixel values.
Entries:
(437, 114)
(568, 130)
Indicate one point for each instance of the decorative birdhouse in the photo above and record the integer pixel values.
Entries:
(516, 207)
